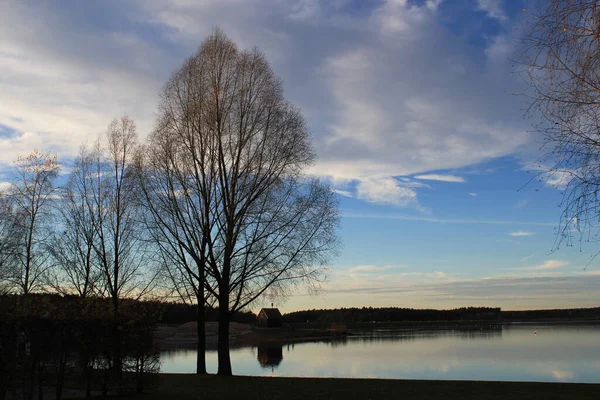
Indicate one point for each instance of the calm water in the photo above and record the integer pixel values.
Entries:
(512, 353)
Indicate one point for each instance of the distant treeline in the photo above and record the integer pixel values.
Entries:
(573, 314)
(394, 314)
(165, 312)
(179, 313)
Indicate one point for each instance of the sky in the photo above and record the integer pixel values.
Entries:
(416, 118)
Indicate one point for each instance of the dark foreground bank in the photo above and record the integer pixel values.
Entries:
(188, 386)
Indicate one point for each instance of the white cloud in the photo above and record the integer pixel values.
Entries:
(473, 194)
(386, 191)
(371, 215)
(389, 92)
(521, 233)
(558, 179)
(493, 9)
(433, 4)
(395, 113)
(521, 203)
(437, 275)
(547, 265)
(344, 193)
(398, 16)
(405, 182)
(527, 257)
(65, 86)
(500, 49)
(369, 268)
(526, 290)
(4, 186)
(441, 178)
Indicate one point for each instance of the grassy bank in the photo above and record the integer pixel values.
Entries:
(187, 386)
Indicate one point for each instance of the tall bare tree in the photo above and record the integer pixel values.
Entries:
(236, 150)
(31, 192)
(175, 206)
(559, 55)
(113, 208)
(75, 268)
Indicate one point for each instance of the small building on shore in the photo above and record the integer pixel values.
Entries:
(269, 318)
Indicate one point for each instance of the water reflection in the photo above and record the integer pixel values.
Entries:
(270, 355)
(488, 332)
(514, 353)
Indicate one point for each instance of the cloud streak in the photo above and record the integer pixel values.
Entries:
(443, 220)
(441, 178)
(536, 289)
(547, 265)
(521, 233)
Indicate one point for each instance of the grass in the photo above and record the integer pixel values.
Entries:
(189, 386)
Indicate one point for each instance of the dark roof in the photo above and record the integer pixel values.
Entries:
(272, 313)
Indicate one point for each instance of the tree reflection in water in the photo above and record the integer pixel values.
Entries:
(270, 355)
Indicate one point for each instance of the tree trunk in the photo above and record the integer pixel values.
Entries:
(116, 350)
(201, 331)
(223, 344)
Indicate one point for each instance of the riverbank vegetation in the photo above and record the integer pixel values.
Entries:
(51, 345)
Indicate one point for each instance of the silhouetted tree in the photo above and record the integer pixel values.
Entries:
(76, 269)
(9, 238)
(112, 208)
(104, 198)
(235, 150)
(31, 192)
(176, 224)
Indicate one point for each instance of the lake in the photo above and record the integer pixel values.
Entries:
(543, 353)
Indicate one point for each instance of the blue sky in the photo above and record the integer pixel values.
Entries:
(414, 117)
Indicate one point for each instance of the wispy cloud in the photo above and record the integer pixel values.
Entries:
(493, 9)
(385, 191)
(441, 178)
(521, 233)
(473, 194)
(527, 258)
(369, 268)
(558, 179)
(344, 193)
(370, 121)
(547, 265)
(443, 220)
(521, 203)
(533, 289)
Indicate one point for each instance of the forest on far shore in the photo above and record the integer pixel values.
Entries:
(395, 314)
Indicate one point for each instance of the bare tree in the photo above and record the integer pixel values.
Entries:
(72, 247)
(31, 193)
(9, 239)
(176, 224)
(236, 151)
(560, 56)
(113, 207)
